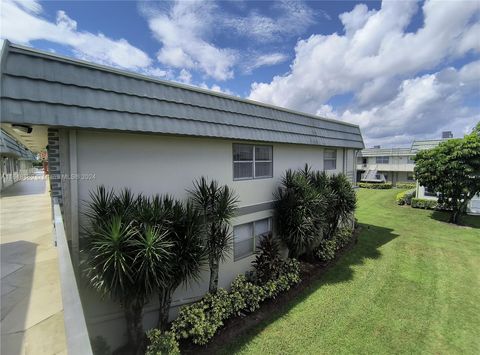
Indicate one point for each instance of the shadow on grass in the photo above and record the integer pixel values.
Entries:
(465, 220)
(370, 239)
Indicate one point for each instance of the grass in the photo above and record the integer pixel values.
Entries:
(410, 285)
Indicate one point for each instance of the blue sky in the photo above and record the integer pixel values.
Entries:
(399, 69)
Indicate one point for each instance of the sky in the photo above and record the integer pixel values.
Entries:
(401, 70)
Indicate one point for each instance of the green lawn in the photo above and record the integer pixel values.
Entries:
(410, 285)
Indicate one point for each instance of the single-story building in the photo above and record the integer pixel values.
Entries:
(16, 161)
(105, 126)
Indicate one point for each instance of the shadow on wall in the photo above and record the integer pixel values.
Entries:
(18, 262)
(371, 238)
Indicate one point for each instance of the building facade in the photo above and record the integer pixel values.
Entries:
(392, 165)
(16, 161)
(109, 127)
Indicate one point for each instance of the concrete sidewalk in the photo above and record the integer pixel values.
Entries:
(31, 302)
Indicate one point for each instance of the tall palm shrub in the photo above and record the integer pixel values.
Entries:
(187, 258)
(122, 260)
(216, 205)
(298, 209)
(343, 205)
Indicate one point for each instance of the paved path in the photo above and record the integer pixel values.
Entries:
(31, 302)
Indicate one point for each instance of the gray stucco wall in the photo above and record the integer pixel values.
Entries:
(151, 164)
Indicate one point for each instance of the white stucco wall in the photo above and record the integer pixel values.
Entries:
(151, 164)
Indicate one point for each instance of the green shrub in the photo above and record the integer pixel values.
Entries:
(162, 343)
(326, 250)
(424, 203)
(405, 185)
(400, 198)
(372, 185)
(343, 237)
(200, 321)
(405, 197)
(252, 294)
(268, 261)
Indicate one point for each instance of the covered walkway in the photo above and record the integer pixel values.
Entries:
(32, 319)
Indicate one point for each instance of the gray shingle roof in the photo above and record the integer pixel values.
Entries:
(42, 88)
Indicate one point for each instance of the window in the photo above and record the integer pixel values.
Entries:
(382, 160)
(246, 237)
(428, 193)
(330, 159)
(410, 177)
(252, 161)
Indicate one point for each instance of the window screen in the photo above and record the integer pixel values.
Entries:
(382, 160)
(243, 241)
(252, 161)
(246, 237)
(330, 159)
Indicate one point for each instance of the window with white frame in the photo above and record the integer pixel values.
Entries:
(330, 159)
(247, 237)
(382, 160)
(252, 161)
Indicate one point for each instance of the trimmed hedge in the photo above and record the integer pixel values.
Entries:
(372, 185)
(200, 321)
(405, 197)
(406, 185)
(424, 203)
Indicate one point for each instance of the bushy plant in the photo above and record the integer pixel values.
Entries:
(297, 209)
(405, 185)
(201, 320)
(162, 343)
(373, 185)
(252, 294)
(424, 203)
(405, 197)
(268, 261)
(311, 206)
(137, 246)
(326, 250)
(343, 237)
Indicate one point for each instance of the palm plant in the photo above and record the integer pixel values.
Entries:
(299, 210)
(189, 255)
(268, 261)
(344, 204)
(123, 260)
(298, 207)
(216, 205)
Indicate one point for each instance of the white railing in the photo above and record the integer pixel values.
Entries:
(78, 341)
(386, 167)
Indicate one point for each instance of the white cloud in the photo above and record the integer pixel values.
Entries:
(183, 30)
(185, 76)
(428, 104)
(291, 19)
(21, 23)
(263, 60)
(216, 88)
(374, 60)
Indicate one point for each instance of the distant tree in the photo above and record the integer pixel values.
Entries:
(452, 169)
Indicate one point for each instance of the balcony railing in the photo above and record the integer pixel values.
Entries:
(78, 341)
(387, 167)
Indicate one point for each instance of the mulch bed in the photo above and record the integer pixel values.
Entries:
(235, 327)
